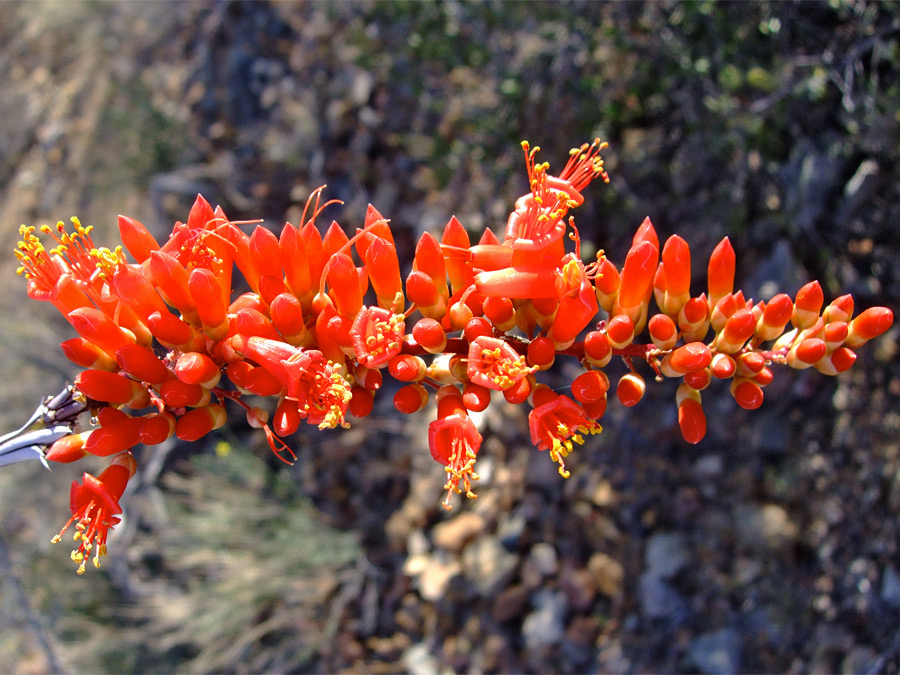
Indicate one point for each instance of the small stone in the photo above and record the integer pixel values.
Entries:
(666, 554)
(608, 574)
(418, 660)
(859, 660)
(604, 494)
(453, 534)
(545, 626)
(659, 600)
(435, 576)
(510, 530)
(890, 587)
(763, 527)
(578, 585)
(488, 565)
(510, 603)
(544, 557)
(716, 652)
(708, 467)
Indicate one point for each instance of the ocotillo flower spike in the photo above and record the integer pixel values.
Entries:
(168, 347)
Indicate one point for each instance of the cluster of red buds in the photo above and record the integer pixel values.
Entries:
(166, 346)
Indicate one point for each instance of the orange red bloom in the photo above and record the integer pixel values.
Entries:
(321, 322)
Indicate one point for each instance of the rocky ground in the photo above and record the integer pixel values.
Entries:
(771, 546)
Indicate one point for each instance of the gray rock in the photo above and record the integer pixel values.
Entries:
(659, 600)
(716, 652)
(488, 565)
(419, 661)
(763, 527)
(545, 625)
(666, 554)
(543, 557)
(890, 587)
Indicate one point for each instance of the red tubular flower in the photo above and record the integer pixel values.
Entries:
(774, 318)
(95, 326)
(597, 349)
(637, 274)
(171, 279)
(577, 306)
(137, 238)
(69, 448)
(536, 228)
(361, 402)
(590, 386)
(541, 353)
(806, 353)
(475, 397)
(501, 312)
(407, 368)
(454, 442)
(630, 389)
(722, 366)
(136, 291)
(427, 283)
(142, 364)
(607, 284)
(86, 354)
(693, 319)
(102, 385)
(620, 331)
(520, 391)
(287, 318)
(384, 273)
(211, 306)
(870, 324)
(95, 505)
(411, 398)
(691, 418)
(676, 266)
(663, 331)
(637, 283)
(747, 393)
(690, 358)
(115, 436)
(265, 253)
(196, 423)
(456, 239)
(430, 335)
(197, 368)
(178, 394)
(377, 335)
(494, 364)
(294, 261)
(838, 361)
(556, 423)
(807, 304)
(344, 287)
(720, 272)
(840, 309)
(253, 379)
(737, 330)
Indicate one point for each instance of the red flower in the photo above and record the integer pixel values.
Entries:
(95, 506)
(494, 364)
(317, 384)
(535, 229)
(454, 442)
(377, 336)
(556, 423)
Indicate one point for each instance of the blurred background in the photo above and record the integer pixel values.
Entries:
(771, 546)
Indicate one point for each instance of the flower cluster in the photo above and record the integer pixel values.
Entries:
(166, 343)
